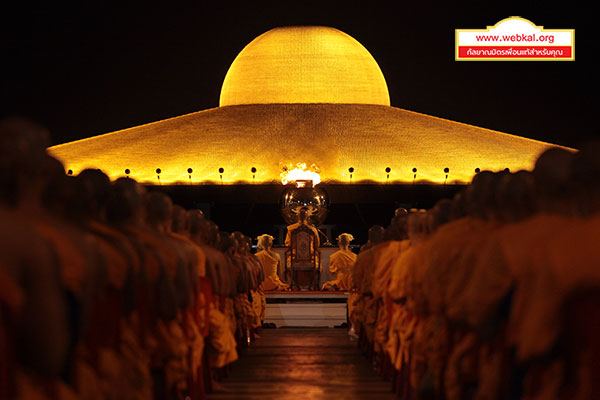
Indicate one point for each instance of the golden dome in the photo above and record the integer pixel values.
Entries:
(265, 124)
(304, 64)
(335, 137)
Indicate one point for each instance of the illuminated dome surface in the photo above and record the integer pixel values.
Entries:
(335, 137)
(290, 67)
(304, 64)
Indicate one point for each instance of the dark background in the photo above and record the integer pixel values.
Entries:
(88, 70)
(353, 208)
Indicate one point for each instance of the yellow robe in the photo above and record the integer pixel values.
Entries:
(269, 264)
(387, 254)
(341, 262)
(290, 228)
(445, 249)
(316, 244)
(514, 259)
(362, 275)
(566, 260)
(463, 271)
(572, 283)
(222, 350)
(400, 271)
(360, 307)
(403, 320)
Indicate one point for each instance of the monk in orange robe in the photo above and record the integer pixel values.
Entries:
(377, 278)
(360, 300)
(114, 333)
(304, 276)
(562, 299)
(33, 314)
(215, 313)
(302, 220)
(271, 262)
(341, 263)
(158, 304)
(255, 277)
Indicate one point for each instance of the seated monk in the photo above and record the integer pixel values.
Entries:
(341, 262)
(270, 262)
(302, 220)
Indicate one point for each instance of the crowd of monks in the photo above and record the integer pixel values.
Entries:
(110, 292)
(494, 294)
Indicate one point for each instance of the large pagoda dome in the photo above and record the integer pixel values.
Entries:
(310, 95)
(300, 64)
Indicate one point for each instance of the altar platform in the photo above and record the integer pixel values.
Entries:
(306, 309)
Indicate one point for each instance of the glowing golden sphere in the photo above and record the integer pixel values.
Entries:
(304, 64)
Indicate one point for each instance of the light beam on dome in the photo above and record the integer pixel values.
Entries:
(301, 173)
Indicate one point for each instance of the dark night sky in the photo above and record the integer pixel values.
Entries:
(87, 71)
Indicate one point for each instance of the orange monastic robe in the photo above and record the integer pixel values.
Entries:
(566, 259)
(362, 306)
(402, 320)
(341, 262)
(445, 249)
(387, 255)
(362, 275)
(514, 259)
(290, 228)
(269, 262)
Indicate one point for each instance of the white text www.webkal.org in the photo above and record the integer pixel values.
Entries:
(517, 37)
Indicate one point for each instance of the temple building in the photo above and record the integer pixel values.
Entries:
(308, 95)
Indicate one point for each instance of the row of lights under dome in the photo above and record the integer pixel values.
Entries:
(253, 170)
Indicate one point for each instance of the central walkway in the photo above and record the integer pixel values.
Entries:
(303, 363)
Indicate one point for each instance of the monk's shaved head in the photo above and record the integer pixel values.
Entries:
(227, 243)
(22, 152)
(585, 179)
(552, 168)
(517, 196)
(399, 212)
(23, 142)
(126, 202)
(440, 214)
(376, 234)
(97, 187)
(459, 205)
(179, 219)
(214, 236)
(397, 230)
(344, 240)
(159, 209)
(481, 199)
(551, 176)
(478, 193)
(241, 241)
(265, 241)
(55, 188)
